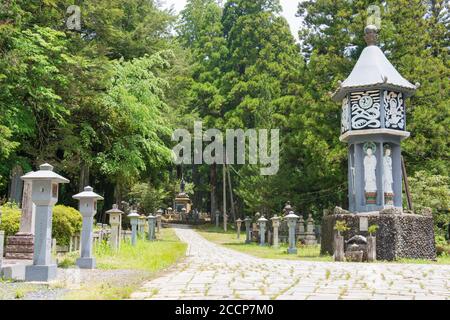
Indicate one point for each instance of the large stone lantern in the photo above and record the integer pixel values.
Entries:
(291, 219)
(373, 124)
(115, 220)
(44, 194)
(88, 208)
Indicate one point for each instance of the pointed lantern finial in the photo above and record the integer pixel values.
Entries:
(371, 35)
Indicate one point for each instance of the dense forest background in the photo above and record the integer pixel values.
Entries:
(101, 104)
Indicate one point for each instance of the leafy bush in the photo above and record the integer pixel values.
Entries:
(10, 219)
(341, 226)
(67, 221)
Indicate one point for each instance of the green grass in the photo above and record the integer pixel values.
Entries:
(229, 240)
(146, 259)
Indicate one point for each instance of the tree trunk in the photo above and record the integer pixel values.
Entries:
(213, 183)
(233, 212)
(84, 176)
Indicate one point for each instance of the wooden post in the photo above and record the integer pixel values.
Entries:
(405, 180)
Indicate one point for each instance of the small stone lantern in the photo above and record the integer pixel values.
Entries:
(44, 194)
(292, 221)
(169, 212)
(115, 220)
(262, 230)
(159, 219)
(88, 208)
(134, 217)
(151, 227)
(248, 237)
(287, 208)
(238, 224)
(275, 224)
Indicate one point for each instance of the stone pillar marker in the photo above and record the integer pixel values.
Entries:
(217, 218)
(275, 224)
(238, 224)
(44, 195)
(141, 225)
(133, 216)
(151, 227)
(20, 246)
(158, 220)
(301, 228)
(262, 230)
(247, 222)
(88, 208)
(292, 221)
(115, 220)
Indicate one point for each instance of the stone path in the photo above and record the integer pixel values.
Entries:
(213, 272)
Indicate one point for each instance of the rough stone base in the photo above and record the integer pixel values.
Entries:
(398, 236)
(86, 263)
(20, 247)
(40, 273)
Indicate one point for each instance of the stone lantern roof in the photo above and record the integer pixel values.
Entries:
(115, 209)
(88, 193)
(373, 71)
(45, 172)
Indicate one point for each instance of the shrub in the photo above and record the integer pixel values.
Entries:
(341, 226)
(10, 219)
(67, 221)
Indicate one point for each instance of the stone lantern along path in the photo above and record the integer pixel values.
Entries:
(291, 219)
(275, 224)
(115, 221)
(133, 216)
(88, 208)
(248, 234)
(44, 195)
(262, 230)
(373, 125)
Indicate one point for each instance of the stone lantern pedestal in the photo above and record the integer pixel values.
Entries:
(88, 208)
(45, 184)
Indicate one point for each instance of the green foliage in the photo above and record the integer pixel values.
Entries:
(341, 226)
(67, 221)
(428, 190)
(10, 219)
(373, 229)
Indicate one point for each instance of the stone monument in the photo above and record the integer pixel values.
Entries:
(88, 208)
(310, 238)
(373, 124)
(275, 225)
(20, 246)
(44, 195)
(151, 227)
(238, 227)
(291, 219)
(133, 216)
(182, 199)
(248, 232)
(115, 221)
(262, 230)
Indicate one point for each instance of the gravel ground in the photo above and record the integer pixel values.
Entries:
(68, 280)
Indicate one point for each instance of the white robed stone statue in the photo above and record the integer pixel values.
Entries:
(370, 165)
(387, 172)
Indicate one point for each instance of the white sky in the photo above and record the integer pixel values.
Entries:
(289, 11)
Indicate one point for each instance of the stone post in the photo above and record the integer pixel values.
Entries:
(88, 208)
(217, 218)
(115, 217)
(275, 224)
(151, 227)
(262, 230)
(2, 242)
(159, 220)
(292, 221)
(371, 248)
(310, 235)
(141, 225)
(45, 184)
(238, 224)
(134, 216)
(248, 237)
(339, 248)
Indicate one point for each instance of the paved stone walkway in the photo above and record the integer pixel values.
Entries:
(213, 272)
